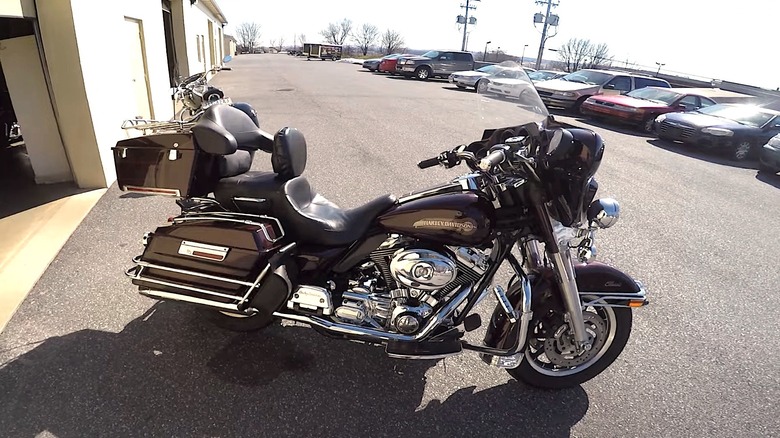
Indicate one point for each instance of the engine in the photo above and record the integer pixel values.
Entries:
(400, 288)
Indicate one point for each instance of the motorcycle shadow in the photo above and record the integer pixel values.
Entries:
(169, 374)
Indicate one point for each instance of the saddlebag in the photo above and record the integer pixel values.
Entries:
(215, 259)
(164, 164)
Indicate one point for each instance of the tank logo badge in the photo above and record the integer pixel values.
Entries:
(463, 226)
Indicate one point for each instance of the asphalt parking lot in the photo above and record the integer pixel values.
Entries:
(87, 356)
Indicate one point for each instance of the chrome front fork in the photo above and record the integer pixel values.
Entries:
(567, 283)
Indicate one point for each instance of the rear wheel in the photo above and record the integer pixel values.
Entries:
(422, 73)
(238, 322)
(551, 361)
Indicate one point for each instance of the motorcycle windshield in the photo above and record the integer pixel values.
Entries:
(507, 97)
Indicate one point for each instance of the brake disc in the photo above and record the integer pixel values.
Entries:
(560, 349)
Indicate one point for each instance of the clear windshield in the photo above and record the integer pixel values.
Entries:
(505, 98)
(745, 115)
(431, 54)
(489, 69)
(589, 77)
(655, 94)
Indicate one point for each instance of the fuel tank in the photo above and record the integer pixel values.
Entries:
(462, 219)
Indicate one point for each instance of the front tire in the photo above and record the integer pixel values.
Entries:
(481, 87)
(422, 73)
(648, 125)
(610, 328)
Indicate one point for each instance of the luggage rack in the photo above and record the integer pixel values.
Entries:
(149, 126)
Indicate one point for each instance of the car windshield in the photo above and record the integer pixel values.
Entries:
(489, 69)
(510, 74)
(745, 115)
(656, 95)
(431, 54)
(541, 75)
(588, 77)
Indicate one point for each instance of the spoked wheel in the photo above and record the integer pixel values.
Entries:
(551, 361)
(648, 125)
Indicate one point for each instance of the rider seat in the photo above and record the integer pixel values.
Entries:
(283, 193)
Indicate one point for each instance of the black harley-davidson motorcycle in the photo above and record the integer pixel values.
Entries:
(251, 247)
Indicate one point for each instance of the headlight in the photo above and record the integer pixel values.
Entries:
(401, 62)
(409, 61)
(566, 94)
(660, 118)
(718, 132)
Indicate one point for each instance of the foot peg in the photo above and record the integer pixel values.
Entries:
(505, 304)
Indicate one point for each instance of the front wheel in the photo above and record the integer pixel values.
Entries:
(551, 361)
(741, 151)
(648, 125)
(422, 73)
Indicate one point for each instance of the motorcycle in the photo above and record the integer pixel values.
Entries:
(196, 95)
(406, 273)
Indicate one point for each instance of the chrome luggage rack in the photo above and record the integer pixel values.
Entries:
(149, 126)
(238, 303)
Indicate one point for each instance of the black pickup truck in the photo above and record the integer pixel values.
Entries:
(436, 63)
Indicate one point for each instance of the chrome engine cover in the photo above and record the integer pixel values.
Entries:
(423, 269)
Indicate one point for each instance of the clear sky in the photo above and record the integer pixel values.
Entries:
(735, 41)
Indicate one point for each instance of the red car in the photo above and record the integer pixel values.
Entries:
(388, 63)
(641, 107)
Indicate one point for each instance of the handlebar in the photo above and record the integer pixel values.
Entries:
(492, 159)
(430, 162)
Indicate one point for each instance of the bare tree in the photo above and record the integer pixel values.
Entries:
(281, 43)
(392, 41)
(248, 34)
(301, 39)
(366, 37)
(578, 53)
(337, 33)
(272, 45)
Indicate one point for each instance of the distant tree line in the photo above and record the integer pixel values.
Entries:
(365, 37)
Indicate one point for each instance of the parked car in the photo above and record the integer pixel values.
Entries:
(509, 83)
(570, 91)
(435, 64)
(372, 64)
(641, 107)
(388, 63)
(737, 129)
(769, 160)
(471, 78)
(545, 75)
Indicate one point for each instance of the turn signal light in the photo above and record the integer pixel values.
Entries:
(636, 303)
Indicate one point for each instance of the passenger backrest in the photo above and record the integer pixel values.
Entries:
(289, 155)
(221, 123)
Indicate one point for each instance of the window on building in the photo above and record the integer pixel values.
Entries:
(198, 45)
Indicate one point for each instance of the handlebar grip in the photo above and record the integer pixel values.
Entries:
(492, 159)
(430, 162)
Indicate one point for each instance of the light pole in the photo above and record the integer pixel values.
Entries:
(545, 20)
(484, 54)
(522, 58)
(498, 51)
(659, 64)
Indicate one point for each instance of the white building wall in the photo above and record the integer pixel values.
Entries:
(196, 29)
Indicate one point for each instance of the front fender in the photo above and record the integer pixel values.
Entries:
(599, 285)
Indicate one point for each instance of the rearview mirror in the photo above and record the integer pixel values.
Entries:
(227, 59)
(609, 87)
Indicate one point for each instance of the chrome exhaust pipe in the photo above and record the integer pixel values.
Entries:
(346, 329)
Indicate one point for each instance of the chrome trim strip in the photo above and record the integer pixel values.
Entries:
(203, 250)
(176, 297)
(347, 329)
(190, 288)
(243, 199)
(137, 260)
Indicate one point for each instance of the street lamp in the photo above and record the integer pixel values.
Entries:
(522, 58)
(498, 51)
(659, 64)
(484, 54)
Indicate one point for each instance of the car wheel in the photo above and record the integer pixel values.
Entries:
(577, 108)
(422, 73)
(741, 151)
(648, 125)
(481, 86)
